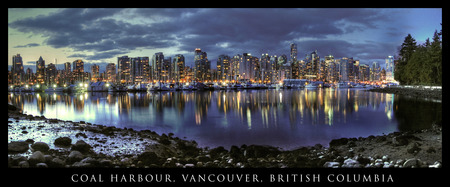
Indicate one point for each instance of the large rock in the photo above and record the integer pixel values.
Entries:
(149, 158)
(40, 146)
(18, 147)
(81, 146)
(36, 157)
(74, 156)
(63, 142)
(338, 142)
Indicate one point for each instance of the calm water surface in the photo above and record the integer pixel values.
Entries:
(283, 118)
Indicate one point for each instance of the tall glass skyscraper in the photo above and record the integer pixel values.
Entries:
(390, 68)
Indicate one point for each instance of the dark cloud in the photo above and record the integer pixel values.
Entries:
(110, 32)
(27, 45)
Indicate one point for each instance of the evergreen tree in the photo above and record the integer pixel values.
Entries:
(436, 58)
(407, 49)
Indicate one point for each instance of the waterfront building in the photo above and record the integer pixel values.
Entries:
(17, 71)
(249, 68)
(390, 69)
(178, 67)
(375, 71)
(364, 72)
(40, 70)
(111, 72)
(67, 73)
(266, 68)
(51, 74)
(29, 76)
(343, 69)
(95, 74)
(157, 66)
(124, 69)
(332, 69)
(202, 67)
(140, 70)
(78, 70)
(312, 69)
(293, 53)
(223, 68)
(166, 71)
(235, 67)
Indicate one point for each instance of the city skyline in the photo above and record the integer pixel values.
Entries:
(99, 36)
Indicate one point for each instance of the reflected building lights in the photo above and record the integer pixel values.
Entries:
(275, 107)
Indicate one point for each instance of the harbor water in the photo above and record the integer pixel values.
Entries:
(286, 118)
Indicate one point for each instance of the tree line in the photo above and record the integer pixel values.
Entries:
(420, 64)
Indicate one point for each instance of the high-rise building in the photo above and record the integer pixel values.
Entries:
(375, 71)
(111, 72)
(331, 69)
(249, 68)
(78, 70)
(312, 70)
(17, 69)
(51, 74)
(124, 69)
(266, 68)
(178, 66)
(293, 53)
(202, 65)
(95, 73)
(140, 71)
(67, 73)
(343, 69)
(40, 70)
(223, 68)
(390, 68)
(235, 67)
(157, 66)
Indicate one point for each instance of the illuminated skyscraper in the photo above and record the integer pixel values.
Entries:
(157, 66)
(178, 67)
(111, 72)
(17, 69)
(139, 69)
(202, 65)
(40, 71)
(390, 68)
(123, 69)
(293, 53)
(95, 73)
(223, 68)
(78, 70)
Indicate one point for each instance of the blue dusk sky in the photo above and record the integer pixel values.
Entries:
(101, 35)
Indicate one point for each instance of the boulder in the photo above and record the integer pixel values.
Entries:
(57, 163)
(338, 142)
(36, 157)
(18, 147)
(63, 142)
(40, 146)
(81, 146)
(74, 156)
(149, 158)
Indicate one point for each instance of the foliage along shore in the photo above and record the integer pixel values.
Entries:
(395, 150)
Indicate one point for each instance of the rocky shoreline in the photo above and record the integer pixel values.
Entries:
(34, 141)
(435, 94)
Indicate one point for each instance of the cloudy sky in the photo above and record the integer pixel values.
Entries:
(101, 35)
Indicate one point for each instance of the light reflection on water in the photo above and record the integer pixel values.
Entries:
(284, 118)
